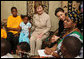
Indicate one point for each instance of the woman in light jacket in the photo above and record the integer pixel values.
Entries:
(41, 27)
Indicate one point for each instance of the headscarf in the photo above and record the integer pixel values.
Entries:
(74, 16)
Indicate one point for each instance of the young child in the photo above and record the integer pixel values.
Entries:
(5, 48)
(25, 27)
(13, 23)
(3, 33)
(21, 48)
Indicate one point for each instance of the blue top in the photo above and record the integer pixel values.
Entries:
(25, 27)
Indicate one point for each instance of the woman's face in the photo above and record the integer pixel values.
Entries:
(61, 15)
(68, 23)
(39, 10)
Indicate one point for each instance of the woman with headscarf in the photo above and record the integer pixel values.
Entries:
(70, 25)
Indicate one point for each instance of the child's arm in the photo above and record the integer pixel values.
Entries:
(13, 29)
(29, 31)
(19, 30)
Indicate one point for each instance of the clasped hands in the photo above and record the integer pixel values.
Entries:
(40, 36)
(49, 51)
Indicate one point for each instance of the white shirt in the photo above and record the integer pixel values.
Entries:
(7, 56)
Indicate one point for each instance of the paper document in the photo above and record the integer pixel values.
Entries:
(41, 53)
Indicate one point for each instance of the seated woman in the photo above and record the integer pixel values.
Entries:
(41, 27)
(70, 30)
(3, 33)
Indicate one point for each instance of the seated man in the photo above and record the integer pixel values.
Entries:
(70, 48)
(13, 23)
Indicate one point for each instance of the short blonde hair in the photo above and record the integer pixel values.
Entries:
(38, 6)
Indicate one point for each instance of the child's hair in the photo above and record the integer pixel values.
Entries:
(23, 16)
(73, 45)
(57, 10)
(13, 8)
(5, 47)
(24, 46)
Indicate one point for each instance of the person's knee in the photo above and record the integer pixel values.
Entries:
(32, 39)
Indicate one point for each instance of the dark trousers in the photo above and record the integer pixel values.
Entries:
(13, 41)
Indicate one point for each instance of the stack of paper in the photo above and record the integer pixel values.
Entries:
(41, 53)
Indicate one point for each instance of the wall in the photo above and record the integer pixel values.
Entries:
(6, 8)
(54, 20)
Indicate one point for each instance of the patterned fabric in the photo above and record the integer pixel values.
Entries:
(74, 16)
(69, 6)
(30, 8)
(25, 27)
(46, 6)
(25, 32)
(24, 37)
(78, 35)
